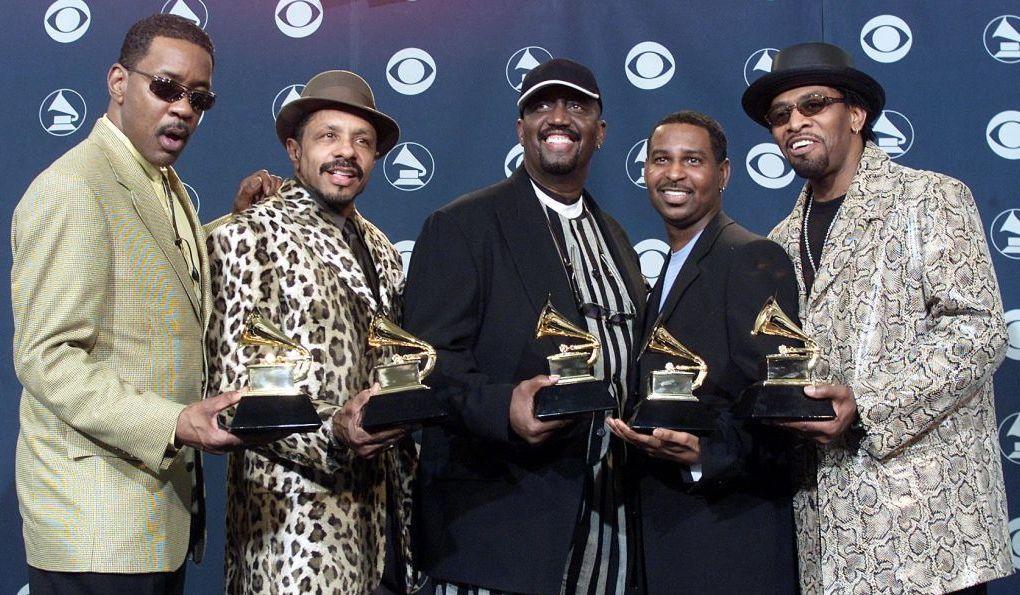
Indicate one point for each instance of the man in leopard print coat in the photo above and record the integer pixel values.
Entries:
(325, 511)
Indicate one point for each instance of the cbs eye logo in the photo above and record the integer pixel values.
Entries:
(183, 10)
(886, 38)
(649, 65)
(411, 71)
(1003, 134)
(1014, 541)
(66, 21)
(298, 18)
(652, 255)
(513, 159)
(767, 167)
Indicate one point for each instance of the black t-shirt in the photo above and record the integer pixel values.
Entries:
(818, 224)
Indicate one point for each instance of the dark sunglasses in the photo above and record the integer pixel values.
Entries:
(814, 103)
(590, 310)
(171, 91)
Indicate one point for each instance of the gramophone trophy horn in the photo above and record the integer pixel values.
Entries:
(578, 390)
(402, 398)
(553, 324)
(781, 395)
(670, 402)
(273, 402)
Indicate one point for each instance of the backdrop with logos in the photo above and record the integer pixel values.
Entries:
(449, 70)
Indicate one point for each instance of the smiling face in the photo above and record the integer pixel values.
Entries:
(159, 130)
(559, 130)
(684, 179)
(334, 156)
(820, 148)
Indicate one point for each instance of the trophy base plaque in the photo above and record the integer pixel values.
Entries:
(284, 414)
(566, 400)
(782, 402)
(417, 406)
(682, 415)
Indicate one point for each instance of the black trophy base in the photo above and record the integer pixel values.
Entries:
(408, 407)
(688, 416)
(567, 400)
(782, 403)
(271, 414)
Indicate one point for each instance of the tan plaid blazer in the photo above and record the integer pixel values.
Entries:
(108, 334)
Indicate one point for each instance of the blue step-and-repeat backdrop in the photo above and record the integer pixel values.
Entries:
(449, 70)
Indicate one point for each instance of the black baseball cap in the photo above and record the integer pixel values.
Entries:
(562, 72)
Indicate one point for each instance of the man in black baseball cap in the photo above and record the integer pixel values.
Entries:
(510, 503)
(903, 303)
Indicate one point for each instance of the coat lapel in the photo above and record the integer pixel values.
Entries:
(852, 223)
(524, 224)
(692, 266)
(199, 233)
(131, 176)
(319, 234)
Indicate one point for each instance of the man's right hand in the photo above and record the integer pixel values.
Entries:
(197, 425)
(522, 417)
(347, 427)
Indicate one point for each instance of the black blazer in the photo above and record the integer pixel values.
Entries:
(492, 511)
(732, 532)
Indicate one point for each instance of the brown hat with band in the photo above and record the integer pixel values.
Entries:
(342, 90)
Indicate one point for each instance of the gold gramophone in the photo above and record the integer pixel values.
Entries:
(273, 403)
(578, 390)
(670, 402)
(781, 395)
(402, 398)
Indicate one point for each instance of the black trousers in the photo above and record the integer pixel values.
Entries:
(47, 582)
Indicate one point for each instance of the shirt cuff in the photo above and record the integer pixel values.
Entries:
(695, 472)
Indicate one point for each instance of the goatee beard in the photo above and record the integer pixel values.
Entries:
(559, 168)
(811, 169)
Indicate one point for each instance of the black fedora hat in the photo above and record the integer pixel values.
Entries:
(807, 64)
(342, 90)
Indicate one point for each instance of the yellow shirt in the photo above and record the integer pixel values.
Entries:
(155, 175)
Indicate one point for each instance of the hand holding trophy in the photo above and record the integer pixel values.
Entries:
(670, 402)
(402, 398)
(273, 404)
(578, 391)
(780, 396)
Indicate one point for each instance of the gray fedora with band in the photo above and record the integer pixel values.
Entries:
(808, 64)
(342, 90)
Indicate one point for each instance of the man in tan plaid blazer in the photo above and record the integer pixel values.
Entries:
(111, 301)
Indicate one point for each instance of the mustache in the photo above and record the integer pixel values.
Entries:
(178, 129)
(342, 163)
(665, 187)
(568, 132)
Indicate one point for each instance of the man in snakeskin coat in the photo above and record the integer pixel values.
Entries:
(896, 286)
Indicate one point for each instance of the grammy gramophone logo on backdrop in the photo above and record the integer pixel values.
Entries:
(409, 166)
(759, 64)
(194, 10)
(285, 96)
(1002, 38)
(894, 133)
(62, 112)
(635, 164)
(1004, 233)
(521, 63)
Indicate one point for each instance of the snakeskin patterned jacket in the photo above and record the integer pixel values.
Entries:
(906, 311)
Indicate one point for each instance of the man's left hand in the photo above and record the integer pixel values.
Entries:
(662, 444)
(255, 188)
(843, 402)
